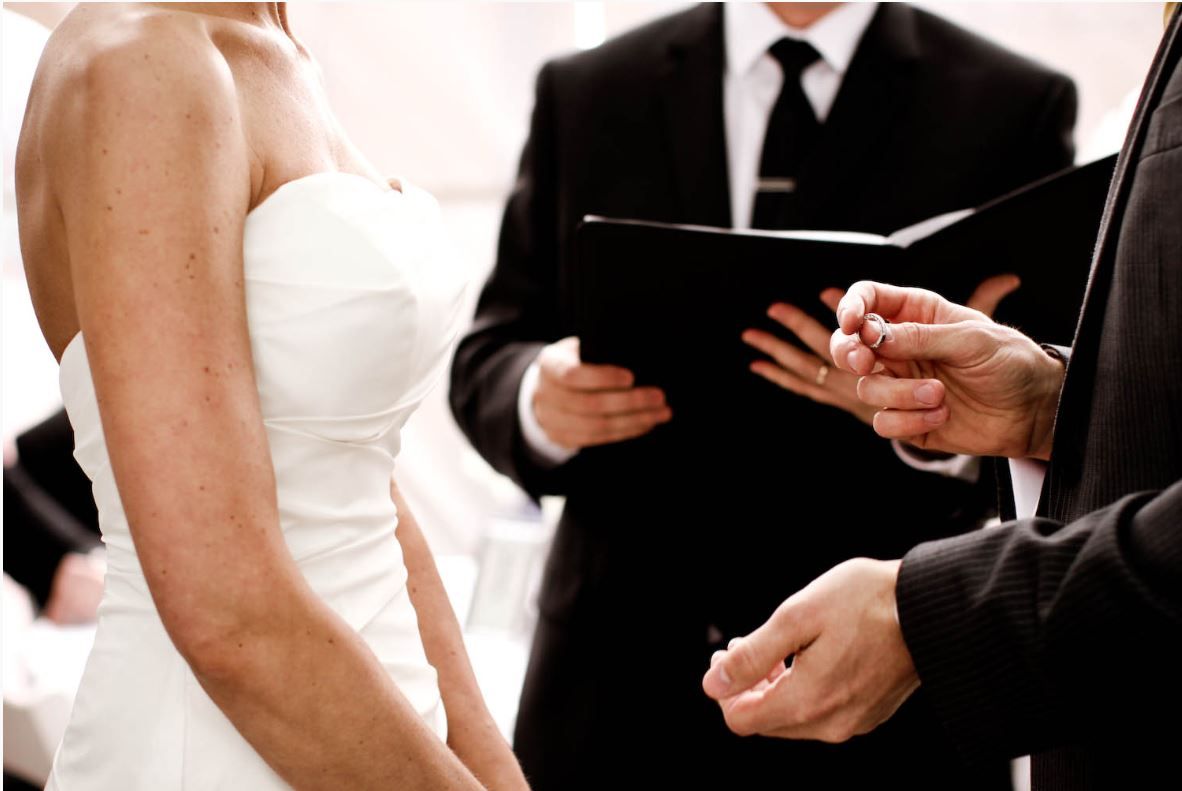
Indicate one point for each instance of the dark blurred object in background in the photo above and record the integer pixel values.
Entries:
(49, 515)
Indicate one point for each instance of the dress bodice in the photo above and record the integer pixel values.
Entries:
(352, 307)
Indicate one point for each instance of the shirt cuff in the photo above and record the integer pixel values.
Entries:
(544, 450)
(964, 468)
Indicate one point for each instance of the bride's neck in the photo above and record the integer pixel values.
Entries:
(264, 14)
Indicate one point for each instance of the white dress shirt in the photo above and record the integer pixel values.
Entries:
(751, 84)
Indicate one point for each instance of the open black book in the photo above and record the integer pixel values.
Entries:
(670, 301)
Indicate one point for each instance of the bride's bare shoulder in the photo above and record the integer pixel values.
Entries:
(99, 50)
(125, 74)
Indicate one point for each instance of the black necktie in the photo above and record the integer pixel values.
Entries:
(791, 132)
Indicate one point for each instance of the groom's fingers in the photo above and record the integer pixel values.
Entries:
(887, 392)
(866, 296)
(955, 343)
(905, 424)
(750, 659)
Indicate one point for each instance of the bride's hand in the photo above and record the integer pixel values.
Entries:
(813, 376)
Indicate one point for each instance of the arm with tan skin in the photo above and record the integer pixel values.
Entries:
(150, 165)
(471, 732)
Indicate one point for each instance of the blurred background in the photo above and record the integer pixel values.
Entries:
(440, 94)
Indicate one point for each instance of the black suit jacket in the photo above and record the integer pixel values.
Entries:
(1062, 635)
(666, 545)
(48, 506)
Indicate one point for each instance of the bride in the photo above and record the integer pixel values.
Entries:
(245, 316)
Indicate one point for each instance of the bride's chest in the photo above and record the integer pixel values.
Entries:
(352, 297)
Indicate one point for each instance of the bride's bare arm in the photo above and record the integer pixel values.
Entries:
(151, 169)
(471, 731)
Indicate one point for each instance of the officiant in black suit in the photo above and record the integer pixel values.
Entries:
(855, 117)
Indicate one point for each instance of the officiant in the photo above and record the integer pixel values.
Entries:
(822, 116)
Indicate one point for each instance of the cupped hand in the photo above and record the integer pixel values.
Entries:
(948, 377)
(810, 375)
(829, 664)
(579, 405)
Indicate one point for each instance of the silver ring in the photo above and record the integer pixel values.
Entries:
(884, 329)
(822, 375)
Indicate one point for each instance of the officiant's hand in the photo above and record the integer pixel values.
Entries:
(579, 405)
(850, 669)
(810, 375)
(949, 378)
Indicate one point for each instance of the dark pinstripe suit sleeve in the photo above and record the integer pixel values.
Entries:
(1035, 634)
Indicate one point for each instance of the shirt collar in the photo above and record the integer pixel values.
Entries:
(750, 30)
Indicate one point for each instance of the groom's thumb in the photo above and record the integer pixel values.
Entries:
(748, 660)
(937, 342)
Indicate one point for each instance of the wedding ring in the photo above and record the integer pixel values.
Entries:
(884, 329)
(822, 375)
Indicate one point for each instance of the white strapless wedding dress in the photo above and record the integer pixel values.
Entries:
(352, 312)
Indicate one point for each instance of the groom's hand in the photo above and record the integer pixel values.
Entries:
(849, 669)
(947, 377)
(579, 405)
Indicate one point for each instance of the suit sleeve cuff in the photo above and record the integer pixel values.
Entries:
(543, 450)
(969, 669)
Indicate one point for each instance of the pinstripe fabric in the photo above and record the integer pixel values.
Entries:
(1062, 635)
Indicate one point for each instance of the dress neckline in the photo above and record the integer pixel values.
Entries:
(326, 175)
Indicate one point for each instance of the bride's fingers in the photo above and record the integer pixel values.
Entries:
(804, 326)
(992, 290)
(831, 297)
(908, 423)
(801, 363)
(891, 393)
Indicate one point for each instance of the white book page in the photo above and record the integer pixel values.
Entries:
(905, 237)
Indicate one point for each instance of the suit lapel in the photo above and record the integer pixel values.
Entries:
(875, 90)
(1075, 398)
(692, 96)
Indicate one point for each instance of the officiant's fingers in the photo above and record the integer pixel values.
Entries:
(594, 377)
(905, 424)
(891, 393)
(613, 402)
(814, 334)
(992, 290)
(573, 430)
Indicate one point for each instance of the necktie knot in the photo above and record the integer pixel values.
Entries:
(794, 56)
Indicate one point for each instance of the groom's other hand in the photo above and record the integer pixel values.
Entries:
(828, 665)
(579, 405)
(947, 377)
